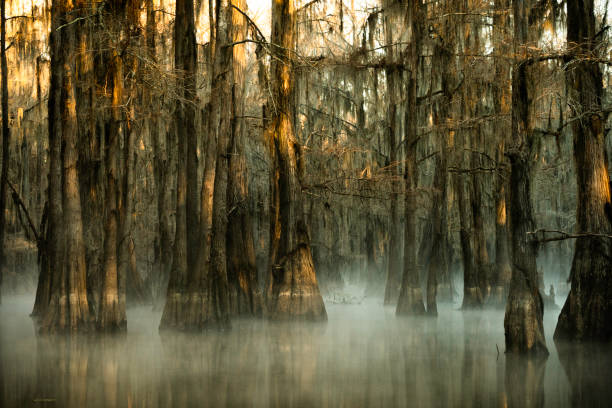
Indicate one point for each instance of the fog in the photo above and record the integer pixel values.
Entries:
(363, 356)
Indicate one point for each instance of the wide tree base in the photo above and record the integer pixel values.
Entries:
(586, 319)
(410, 302)
(63, 316)
(523, 324)
(296, 295)
(472, 298)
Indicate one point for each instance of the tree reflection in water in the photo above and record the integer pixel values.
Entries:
(363, 356)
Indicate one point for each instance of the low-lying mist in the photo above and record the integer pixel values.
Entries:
(363, 356)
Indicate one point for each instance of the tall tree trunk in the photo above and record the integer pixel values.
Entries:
(472, 296)
(68, 308)
(5, 138)
(438, 265)
(411, 295)
(587, 313)
(245, 294)
(162, 165)
(111, 313)
(177, 313)
(292, 288)
(501, 94)
(217, 307)
(392, 287)
(525, 310)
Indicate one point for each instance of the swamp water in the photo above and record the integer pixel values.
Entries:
(363, 356)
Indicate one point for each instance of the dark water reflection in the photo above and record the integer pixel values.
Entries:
(364, 356)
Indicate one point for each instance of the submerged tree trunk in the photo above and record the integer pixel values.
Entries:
(5, 138)
(177, 311)
(162, 166)
(472, 296)
(111, 314)
(245, 294)
(523, 321)
(587, 313)
(292, 288)
(392, 287)
(68, 308)
(411, 295)
(502, 272)
(217, 298)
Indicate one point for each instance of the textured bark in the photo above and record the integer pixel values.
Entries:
(438, 265)
(217, 295)
(177, 311)
(68, 308)
(472, 295)
(161, 168)
(502, 272)
(292, 288)
(481, 256)
(111, 313)
(411, 295)
(587, 313)
(392, 288)
(523, 321)
(5, 137)
(245, 294)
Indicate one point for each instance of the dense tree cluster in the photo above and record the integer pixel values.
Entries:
(218, 163)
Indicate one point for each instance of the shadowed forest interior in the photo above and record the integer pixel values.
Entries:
(305, 203)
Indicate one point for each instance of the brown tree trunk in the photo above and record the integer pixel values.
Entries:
(5, 137)
(292, 288)
(217, 306)
(68, 308)
(472, 296)
(525, 310)
(162, 165)
(587, 313)
(411, 294)
(501, 102)
(177, 313)
(245, 294)
(111, 313)
(392, 287)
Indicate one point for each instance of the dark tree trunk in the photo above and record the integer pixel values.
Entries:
(68, 308)
(411, 294)
(587, 313)
(111, 313)
(5, 138)
(177, 308)
(217, 297)
(245, 294)
(472, 296)
(523, 322)
(292, 288)
(502, 272)
(162, 165)
(392, 287)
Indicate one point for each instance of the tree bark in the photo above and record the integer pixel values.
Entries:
(68, 308)
(217, 306)
(587, 313)
(411, 295)
(292, 288)
(177, 311)
(392, 287)
(5, 138)
(523, 321)
(111, 313)
(245, 294)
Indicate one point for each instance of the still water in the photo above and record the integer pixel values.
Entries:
(363, 356)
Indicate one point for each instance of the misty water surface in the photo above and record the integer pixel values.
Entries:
(363, 356)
